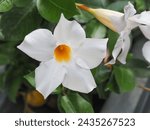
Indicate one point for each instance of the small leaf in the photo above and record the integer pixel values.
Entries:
(125, 78)
(30, 78)
(67, 104)
(112, 84)
(95, 30)
(102, 74)
(6, 5)
(139, 67)
(73, 102)
(83, 17)
(140, 5)
(80, 103)
(52, 9)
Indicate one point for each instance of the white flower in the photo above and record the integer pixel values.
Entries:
(143, 21)
(119, 23)
(66, 57)
(123, 43)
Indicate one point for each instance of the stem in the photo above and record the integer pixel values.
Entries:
(144, 88)
(63, 91)
(106, 59)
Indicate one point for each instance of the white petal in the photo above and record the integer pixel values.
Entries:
(129, 10)
(121, 48)
(143, 18)
(125, 49)
(69, 32)
(79, 79)
(48, 76)
(92, 52)
(117, 48)
(39, 45)
(146, 51)
(145, 30)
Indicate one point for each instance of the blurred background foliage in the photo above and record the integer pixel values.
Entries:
(20, 17)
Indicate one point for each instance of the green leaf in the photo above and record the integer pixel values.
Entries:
(67, 105)
(4, 59)
(12, 90)
(22, 3)
(1, 81)
(112, 40)
(102, 74)
(125, 78)
(118, 5)
(6, 5)
(83, 17)
(30, 78)
(52, 9)
(12, 82)
(112, 84)
(140, 5)
(18, 22)
(73, 102)
(95, 30)
(139, 67)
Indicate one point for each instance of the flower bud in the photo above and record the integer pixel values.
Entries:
(112, 19)
(35, 99)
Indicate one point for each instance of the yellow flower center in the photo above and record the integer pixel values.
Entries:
(62, 53)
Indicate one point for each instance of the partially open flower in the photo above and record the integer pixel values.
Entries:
(143, 21)
(118, 22)
(143, 18)
(66, 57)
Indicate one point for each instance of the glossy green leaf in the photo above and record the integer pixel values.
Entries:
(18, 22)
(6, 5)
(73, 102)
(83, 16)
(22, 3)
(95, 30)
(112, 40)
(140, 5)
(80, 103)
(67, 105)
(139, 67)
(52, 9)
(102, 74)
(30, 78)
(112, 84)
(125, 78)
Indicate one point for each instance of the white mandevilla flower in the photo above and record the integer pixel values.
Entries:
(143, 21)
(66, 57)
(124, 27)
(119, 23)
